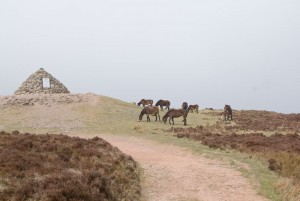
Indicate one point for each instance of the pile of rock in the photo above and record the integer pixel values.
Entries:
(46, 99)
(41, 82)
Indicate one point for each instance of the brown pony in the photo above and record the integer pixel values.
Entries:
(152, 110)
(174, 113)
(227, 113)
(185, 105)
(193, 108)
(163, 103)
(145, 102)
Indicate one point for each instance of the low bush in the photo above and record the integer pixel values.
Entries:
(58, 167)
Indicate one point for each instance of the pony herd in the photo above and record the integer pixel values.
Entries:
(149, 109)
(161, 103)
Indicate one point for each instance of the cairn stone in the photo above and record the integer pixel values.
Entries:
(41, 82)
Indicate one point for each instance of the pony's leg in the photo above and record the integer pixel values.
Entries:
(158, 117)
(148, 118)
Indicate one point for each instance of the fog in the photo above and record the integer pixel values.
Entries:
(210, 53)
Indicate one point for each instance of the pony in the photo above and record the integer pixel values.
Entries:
(184, 105)
(174, 113)
(193, 108)
(227, 113)
(149, 110)
(163, 103)
(145, 102)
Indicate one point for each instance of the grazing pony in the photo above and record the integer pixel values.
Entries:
(161, 103)
(174, 113)
(149, 110)
(145, 102)
(185, 105)
(227, 113)
(193, 108)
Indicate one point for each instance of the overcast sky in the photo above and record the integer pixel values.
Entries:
(207, 52)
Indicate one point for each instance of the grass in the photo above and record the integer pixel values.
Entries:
(112, 116)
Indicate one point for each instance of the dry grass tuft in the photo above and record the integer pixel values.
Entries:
(288, 189)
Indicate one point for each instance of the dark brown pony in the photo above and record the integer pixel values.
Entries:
(185, 105)
(161, 103)
(227, 113)
(145, 102)
(193, 108)
(149, 110)
(175, 113)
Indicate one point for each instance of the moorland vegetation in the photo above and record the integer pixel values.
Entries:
(60, 168)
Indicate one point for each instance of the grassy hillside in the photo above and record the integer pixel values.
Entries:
(99, 114)
(92, 114)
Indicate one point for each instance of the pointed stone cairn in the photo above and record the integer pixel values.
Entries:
(41, 82)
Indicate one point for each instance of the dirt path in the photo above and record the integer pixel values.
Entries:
(172, 173)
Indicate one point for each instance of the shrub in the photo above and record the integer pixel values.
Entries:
(58, 167)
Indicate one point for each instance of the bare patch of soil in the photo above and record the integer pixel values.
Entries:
(51, 112)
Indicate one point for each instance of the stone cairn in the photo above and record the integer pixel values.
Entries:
(41, 82)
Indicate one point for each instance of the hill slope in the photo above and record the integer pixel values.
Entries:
(88, 115)
(75, 113)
